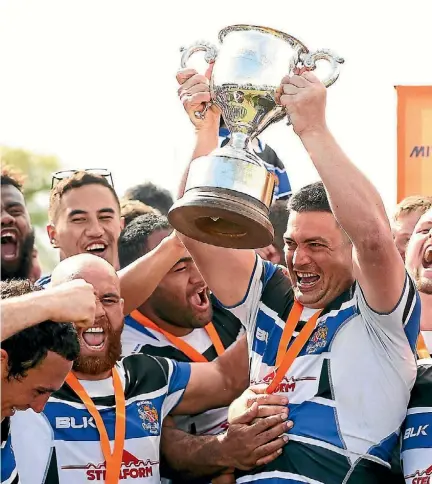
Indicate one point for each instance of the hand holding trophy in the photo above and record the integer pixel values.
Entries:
(228, 193)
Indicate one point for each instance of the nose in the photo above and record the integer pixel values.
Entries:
(100, 310)
(195, 276)
(39, 403)
(300, 257)
(94, 229)
(6, 219)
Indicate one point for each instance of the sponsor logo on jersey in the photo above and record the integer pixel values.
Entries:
(415, 431)
(74, 423)
(420, 476)
(287, 384)
(149, 415)
(131, 468)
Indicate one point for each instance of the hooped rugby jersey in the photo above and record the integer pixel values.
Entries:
(417, 430)
(349, 387)
(9, 472)
(152, 387)
(138, 339)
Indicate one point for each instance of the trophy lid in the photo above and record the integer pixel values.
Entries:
(265, 30)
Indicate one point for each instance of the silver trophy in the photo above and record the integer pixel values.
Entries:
(228, 193)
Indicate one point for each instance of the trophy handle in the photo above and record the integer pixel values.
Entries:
(309, 61)
(211, 53)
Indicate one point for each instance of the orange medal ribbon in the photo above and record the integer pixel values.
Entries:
(184, 347)
(114, 459)
(285, 358)
(422, 350)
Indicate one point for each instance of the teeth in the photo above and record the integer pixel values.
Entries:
(94, 330)
(7, 233)
(96, 247)
(306, 274)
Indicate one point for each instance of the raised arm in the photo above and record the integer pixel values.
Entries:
(226, 271)
(72, 301)
(355, 202)
(139, 279)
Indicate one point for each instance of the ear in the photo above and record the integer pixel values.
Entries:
(122, 304)
(122, 223)
(4, 363)
(51, 231)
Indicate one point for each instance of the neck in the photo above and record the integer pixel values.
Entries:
(170, 328)
(86, 376)
(426, 312)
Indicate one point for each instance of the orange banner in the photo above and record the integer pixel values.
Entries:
(414, 141)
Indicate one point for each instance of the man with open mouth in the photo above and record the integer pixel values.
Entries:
(84, 218)
(181, 320)
(17, 236)
(105, 422)
(340, 346)
(417, 431)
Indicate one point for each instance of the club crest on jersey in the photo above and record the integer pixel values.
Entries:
(149, 415)
(318, 339)
(420, 476)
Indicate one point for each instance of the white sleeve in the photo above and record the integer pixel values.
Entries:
(32, 441)
(246, 311)
(398, 330)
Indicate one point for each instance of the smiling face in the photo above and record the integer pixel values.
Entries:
(87, 221)
(182, 297)
(16, 234)
(34, 389)
(318, 257)
(419, 254)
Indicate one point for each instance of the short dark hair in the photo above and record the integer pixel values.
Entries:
(9, 176)
(279, 219)
(310, 198)
(151, 195)
(77, 180)
(131, 209)
(132, 242)
(28, 348)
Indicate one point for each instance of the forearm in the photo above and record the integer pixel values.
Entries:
(19, 313)
(192, 456)
(139, 279)
(355, 202)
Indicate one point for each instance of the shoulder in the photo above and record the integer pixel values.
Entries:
(145, 373)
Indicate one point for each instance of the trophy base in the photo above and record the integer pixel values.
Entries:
(222, 217)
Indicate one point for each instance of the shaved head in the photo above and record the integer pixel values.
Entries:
(100, 346)
(79, 265)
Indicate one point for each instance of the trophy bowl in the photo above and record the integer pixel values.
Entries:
(228, 193)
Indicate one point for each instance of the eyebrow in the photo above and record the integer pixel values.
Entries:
(183, 259)
(83, 212)
(311, 239)
(14, 204)
(112, 294)
(46, 390)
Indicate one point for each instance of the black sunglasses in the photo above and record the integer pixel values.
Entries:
(58, 176)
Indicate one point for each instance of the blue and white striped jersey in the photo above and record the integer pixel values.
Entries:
(348, 389)
(68, 449)
(417, 430)
(9, 472)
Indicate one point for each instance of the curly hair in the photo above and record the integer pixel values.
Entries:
(12, 176)
(28, 348)
(132, 242)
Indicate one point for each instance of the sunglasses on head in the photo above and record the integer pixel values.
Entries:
(58, 176)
